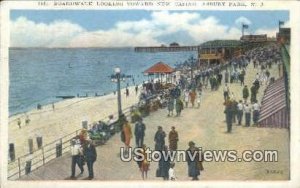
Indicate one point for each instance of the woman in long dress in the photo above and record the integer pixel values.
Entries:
(179, 107)
(186, 98)
(127, 134)
(199, 98)
(144, 165)
(194, 165)
(170, 106)
(193, 97)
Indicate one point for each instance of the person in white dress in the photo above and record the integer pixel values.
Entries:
(255, 108)
(199, 98)
(172, 175)
(186, 97)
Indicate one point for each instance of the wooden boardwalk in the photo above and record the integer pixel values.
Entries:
(206, 127)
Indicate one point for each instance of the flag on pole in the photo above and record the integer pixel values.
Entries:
(245, 26)
(281, 23)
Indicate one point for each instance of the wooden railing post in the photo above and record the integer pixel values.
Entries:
(19, 167)
(30, 145)
(39, 141)
(59, 148)
(12, 154)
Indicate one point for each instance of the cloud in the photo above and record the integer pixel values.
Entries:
(270, 32)
(188, 28)
(111, 38)
(26, 33)
(242, 20)
(210, 29)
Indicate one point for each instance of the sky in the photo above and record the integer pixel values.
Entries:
(123, 28)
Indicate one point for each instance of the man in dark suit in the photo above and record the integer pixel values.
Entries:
(90, 157)
(228, 114)
(139, 132)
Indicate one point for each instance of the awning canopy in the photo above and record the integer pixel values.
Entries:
(159, 68)
(274, 111)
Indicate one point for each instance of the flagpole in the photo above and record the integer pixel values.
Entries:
(279, 26)
(242, 30)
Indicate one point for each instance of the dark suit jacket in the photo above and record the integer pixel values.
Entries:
(90, 153)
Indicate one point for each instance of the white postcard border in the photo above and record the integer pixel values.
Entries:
(292, 6)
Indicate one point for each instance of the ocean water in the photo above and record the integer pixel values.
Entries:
(37, 76)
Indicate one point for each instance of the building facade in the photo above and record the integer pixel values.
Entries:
(218, 51)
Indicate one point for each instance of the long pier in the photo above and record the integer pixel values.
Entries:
(166, 49)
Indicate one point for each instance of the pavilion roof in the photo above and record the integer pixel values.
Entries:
(159, 68)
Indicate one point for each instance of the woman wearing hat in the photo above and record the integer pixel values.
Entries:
(170, 106)
(178, 106)
(173, 139)
(159, 139)
(193, 95)
(194, 165)
(164, 165)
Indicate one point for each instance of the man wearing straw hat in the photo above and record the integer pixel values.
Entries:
(76, 152)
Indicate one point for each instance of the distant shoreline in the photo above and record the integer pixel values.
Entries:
(109, 48)
(48, 107)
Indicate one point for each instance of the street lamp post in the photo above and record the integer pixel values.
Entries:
(118, 77)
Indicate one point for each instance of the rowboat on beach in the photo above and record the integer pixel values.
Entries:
(66, 97)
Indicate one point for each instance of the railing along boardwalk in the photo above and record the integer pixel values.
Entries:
(25, 164)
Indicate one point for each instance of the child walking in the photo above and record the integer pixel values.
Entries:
(172, 175)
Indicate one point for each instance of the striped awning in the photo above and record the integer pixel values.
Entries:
(274, 112)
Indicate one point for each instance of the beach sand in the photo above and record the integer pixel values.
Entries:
(66, 118)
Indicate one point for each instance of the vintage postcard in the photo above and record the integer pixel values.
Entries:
(149, 93)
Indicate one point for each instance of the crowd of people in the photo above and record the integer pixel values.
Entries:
(165, 168)
(263, 58)
(187, 92)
